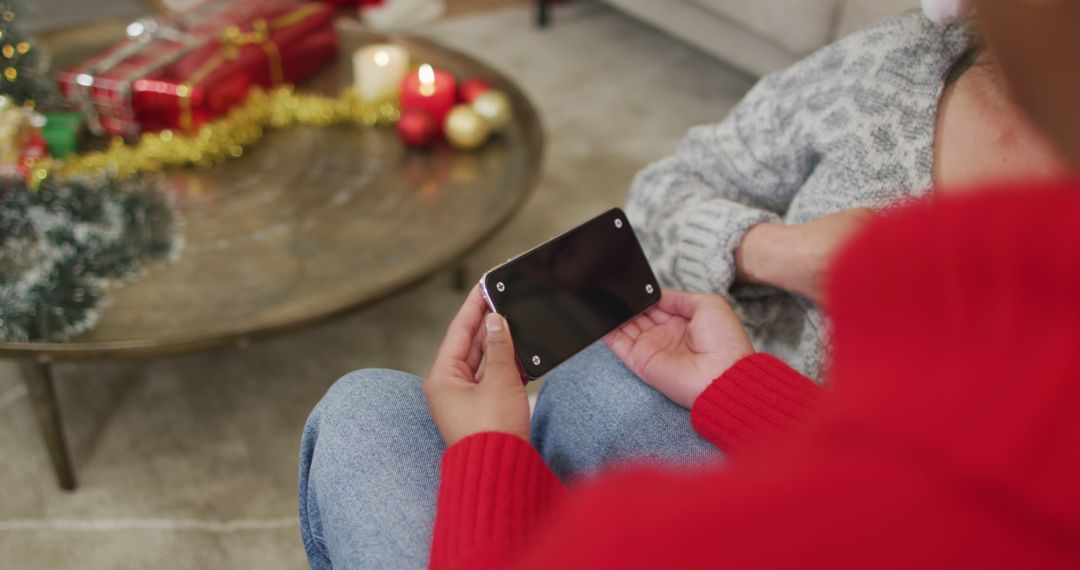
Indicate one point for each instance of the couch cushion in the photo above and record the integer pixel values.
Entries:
(801, 26)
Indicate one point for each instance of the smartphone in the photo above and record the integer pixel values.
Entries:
(562, 296)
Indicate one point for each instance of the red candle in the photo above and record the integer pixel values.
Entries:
(429, 90)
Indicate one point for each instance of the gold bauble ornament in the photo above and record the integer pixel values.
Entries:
(494, 107)
(15, 131)
(465, 128)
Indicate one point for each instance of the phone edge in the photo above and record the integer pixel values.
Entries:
(494, 309)
(491, 305)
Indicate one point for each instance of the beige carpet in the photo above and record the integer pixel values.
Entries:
(190, 462)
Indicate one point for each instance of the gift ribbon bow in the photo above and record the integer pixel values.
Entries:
(232, 40)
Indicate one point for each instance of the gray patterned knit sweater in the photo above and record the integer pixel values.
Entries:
(850, 126)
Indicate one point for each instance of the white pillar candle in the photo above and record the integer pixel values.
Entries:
(378, 70)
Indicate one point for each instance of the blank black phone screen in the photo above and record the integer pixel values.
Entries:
(568, 293)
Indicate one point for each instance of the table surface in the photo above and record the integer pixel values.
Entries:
(310, 223)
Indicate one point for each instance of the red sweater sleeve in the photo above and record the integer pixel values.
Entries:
(759, 396)
(494, 490)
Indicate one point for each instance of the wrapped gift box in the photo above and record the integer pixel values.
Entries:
(184, 70)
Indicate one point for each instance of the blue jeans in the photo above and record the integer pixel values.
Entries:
(369, 458)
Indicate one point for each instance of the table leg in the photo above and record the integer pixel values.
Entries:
(543, 16)
(41, 387)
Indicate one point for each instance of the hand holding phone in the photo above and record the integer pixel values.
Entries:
(680, 346)
(474, 384)
(566, 294)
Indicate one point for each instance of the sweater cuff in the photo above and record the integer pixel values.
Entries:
(757, 397)
(707, 252)
(494, 488)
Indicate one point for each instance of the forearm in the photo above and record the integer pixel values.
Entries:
(758, 397)
(494, 490)
(688, 230)
(796, 258)
(691, 209)
(761, 255)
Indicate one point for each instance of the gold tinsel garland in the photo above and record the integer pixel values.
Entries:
(223, 138)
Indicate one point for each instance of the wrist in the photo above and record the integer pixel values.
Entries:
(760, 257)
(696, 391)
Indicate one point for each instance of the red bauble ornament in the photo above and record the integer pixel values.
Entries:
(417, 128)
(471, 88)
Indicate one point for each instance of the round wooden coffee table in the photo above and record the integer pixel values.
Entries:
(309, 224)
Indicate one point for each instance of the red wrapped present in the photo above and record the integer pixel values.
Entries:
(359, 3)
(182, 71)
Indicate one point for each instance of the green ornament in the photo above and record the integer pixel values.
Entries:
(61, 131)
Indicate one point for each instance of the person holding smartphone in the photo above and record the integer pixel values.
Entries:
(757, 206)
(950, 438)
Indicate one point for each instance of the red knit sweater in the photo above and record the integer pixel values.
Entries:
(951, 437)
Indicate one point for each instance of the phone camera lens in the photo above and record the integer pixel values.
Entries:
(500, 287)
(618, 222)
(536, 360)
(649, 288)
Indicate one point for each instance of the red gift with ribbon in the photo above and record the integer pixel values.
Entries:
(184, 70)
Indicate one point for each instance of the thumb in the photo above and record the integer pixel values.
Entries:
(499, 350)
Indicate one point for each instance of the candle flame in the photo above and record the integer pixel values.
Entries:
(382, 58)
(427, 75)
(427, 80)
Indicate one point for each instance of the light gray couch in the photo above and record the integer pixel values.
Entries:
(759, 36)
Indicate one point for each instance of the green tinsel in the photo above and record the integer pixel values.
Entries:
(22, 61)
(61, 244)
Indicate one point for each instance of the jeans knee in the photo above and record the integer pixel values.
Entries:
(364, 403)
(364, 413)
(370, 383)
(368, 408)
(371, 390)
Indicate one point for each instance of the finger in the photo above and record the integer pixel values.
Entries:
(643, 322)
(459, 335)
(631, 330)
(500, 362)
(683, 304)
(476, 350)
(480, 369)
(619, 343)
(658, 315)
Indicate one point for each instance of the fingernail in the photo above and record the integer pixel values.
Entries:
(493, 322)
